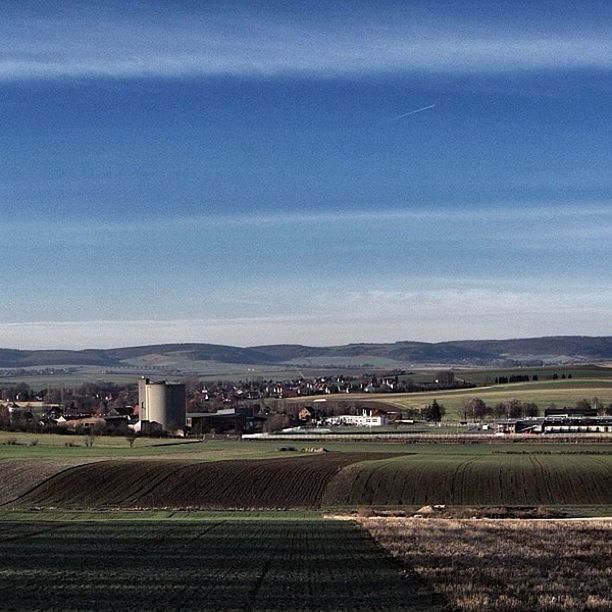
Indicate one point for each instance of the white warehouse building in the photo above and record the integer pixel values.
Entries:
(368, 418)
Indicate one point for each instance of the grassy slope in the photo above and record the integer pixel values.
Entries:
(53, 446)
(547, 473)
(296, 482)
(477, 479)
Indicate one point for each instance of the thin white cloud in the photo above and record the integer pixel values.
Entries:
(599, 212)
(429, 310)
(466, 318)
(450, 302)
(252, 43)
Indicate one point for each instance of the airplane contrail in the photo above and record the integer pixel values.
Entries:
(412, 112)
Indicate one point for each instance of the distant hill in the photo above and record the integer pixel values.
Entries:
(546, 350)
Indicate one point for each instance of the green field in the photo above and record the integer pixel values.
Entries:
(224, 475)
(210, 564)
(54, 446)
(487, 376)
(543, 393)
(474, 480)
(231, 525)
(128, 375)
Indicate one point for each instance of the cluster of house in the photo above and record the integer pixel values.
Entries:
(327, 385)
(73, 419)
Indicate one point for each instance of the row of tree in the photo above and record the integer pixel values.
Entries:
(476, 409)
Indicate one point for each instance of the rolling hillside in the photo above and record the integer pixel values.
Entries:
(333, 479)
(549, 350)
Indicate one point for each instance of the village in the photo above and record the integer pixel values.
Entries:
(164, 408)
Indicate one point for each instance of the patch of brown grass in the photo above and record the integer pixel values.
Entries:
(506, 565)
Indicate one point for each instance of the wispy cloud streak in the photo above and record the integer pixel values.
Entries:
(252, 43)
(369, 316)
(512, 211)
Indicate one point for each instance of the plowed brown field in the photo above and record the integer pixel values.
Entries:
(268, 483)
(18, 476)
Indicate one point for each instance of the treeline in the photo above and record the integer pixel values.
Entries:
(432, 412)
(94, 390)
(518, 378)
(476, 409)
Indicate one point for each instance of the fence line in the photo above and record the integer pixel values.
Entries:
(441, 438)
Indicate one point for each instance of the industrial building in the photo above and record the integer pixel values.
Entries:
(238, 419)
(368, 418)
(162, 406)
(555, 424)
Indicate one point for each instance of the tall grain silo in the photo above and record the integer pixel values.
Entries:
(162, 404)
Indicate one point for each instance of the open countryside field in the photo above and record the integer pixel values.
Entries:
(504, 566)
(54, 446)
(206, 370)
(495, 479)
(391, 475)
(213, 564)
(543, 393)
(272, 483)
(156, 547)
(487, 376)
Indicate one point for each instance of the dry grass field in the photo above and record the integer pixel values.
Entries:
(506, 565)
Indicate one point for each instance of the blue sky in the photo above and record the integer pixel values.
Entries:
(321, 173)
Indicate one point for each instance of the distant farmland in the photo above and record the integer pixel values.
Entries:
(543, 393)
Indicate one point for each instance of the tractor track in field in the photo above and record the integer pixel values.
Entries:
(27, 487)
(31, 534)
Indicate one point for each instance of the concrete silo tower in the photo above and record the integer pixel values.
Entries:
(162, 405)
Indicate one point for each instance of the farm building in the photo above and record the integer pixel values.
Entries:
(229, 419)
(368, 418)
(515, 426)
(577, 425)
(569, 412)
(100, 424)
(555, 424)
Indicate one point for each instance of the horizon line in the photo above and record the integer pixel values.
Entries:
(322, 346)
